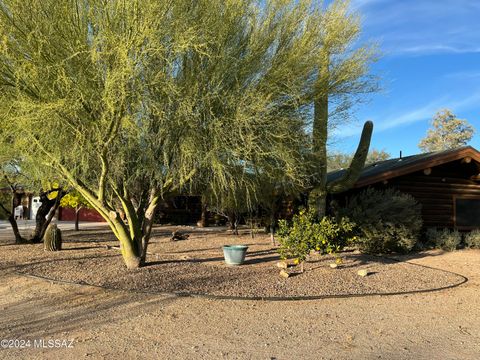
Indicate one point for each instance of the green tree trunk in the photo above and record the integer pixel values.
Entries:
(129, 247)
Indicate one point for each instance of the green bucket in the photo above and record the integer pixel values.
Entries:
(234, 254)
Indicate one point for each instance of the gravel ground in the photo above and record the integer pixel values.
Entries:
(195, 266)
(106, 324)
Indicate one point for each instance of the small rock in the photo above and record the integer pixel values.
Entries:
(333, 266)
(284, 274)
(282, 264)
(362, 272)
(177, 235)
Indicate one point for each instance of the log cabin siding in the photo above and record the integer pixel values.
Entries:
(436, 180)
(437, 192)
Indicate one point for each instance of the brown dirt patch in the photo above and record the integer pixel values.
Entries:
(108, 324)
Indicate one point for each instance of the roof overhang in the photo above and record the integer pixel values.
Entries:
(421, 164)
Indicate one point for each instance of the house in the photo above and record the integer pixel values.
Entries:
(445, 183)
(182, 209)
(20, 196)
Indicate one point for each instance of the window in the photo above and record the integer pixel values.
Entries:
(467, 212)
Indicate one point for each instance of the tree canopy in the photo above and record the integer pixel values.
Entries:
(447, 132)
(128, 101)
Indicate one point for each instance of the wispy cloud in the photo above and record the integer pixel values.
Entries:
(359, 4)
(412, 27)
(463, 75)
(434, 48)
(422, 113)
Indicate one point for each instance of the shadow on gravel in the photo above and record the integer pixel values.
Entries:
(66, 312)
(50, 260)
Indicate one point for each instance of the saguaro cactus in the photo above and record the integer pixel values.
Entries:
(318, 195)
(357, 164)
(53, 238)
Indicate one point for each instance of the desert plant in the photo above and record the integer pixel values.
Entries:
(472, 239)
(76, 201)
(53, 238)
(444, 239)
(305, 234)
(129, 102)
(450, 240)
(387, 220)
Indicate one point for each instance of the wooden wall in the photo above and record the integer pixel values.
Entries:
(436, 192)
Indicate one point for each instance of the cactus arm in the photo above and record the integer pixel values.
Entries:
(352, 174)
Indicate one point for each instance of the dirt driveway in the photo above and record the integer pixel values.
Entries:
(93, 323)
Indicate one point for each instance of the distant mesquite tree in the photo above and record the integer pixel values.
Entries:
(447, 132)
(342, 160)
(375, 156)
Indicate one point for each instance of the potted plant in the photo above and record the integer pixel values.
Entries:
(234, 254)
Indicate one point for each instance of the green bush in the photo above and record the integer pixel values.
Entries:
(305, 234)
(387, 220)
(444, 239)
(472, 239)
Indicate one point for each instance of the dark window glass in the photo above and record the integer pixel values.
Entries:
(467, 212)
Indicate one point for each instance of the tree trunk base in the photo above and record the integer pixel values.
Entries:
(272, 239)
(132, 262)
(21, 240)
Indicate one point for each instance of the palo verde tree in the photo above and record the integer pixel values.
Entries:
(447, 132)
(77, 202)
(343, 78)
(127, 101)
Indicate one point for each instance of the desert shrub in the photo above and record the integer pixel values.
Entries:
(429, 239)
(472, 239)
(305, 234)
(387, 220)
(444, 239)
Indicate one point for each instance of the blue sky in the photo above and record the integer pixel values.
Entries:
(431, 60)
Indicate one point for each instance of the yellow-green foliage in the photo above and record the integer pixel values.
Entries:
(304, 234)
(447, 132)
(74, 200)
(127, 101)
